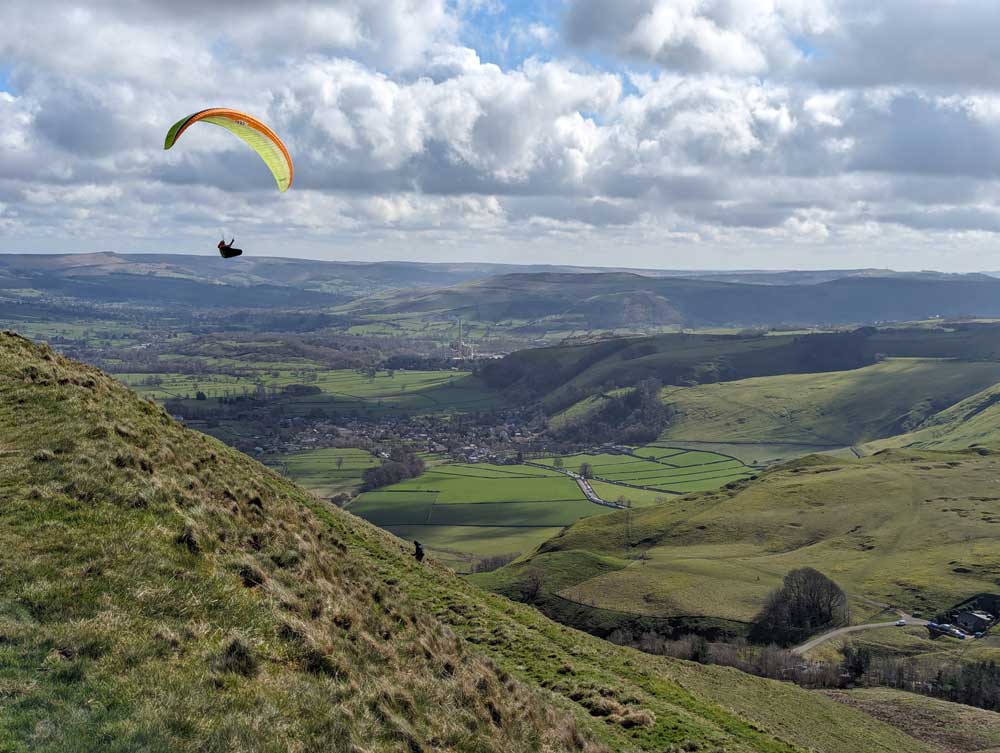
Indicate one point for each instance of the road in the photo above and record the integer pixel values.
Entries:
(584, 484)
(821, 639)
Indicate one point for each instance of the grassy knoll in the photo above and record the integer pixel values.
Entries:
(658, 470)
(952, 727)
(919, 530)
(497, 509)
(835, 408)
(161, 592)
(329, 471)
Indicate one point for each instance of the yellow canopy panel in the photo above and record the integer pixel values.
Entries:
(261, 139)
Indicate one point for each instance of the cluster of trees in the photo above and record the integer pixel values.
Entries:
(403, 463)
(972, 683)
(418, 362)
(301, 390)
(806, 602)
(632, 416)
(494, 562)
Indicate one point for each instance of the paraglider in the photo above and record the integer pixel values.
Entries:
(227, 250)
(256, 134)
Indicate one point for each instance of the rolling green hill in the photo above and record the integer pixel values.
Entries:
(572, 381)
(162, 592)
(564, 375)
(915, 529)
(835, 408)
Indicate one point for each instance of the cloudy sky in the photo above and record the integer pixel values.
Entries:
(648, 133)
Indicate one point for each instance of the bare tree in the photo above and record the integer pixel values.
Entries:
(531, 586)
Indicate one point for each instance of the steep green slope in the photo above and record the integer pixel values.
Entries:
(844, 407)
(919, 530)
(561, 376)
(161, 592)
(973, 421)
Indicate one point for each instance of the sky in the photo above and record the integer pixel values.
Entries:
(705, 134)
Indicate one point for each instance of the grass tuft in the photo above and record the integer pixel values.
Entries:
(236, 658)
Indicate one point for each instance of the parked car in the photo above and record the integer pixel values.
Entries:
(900, 623)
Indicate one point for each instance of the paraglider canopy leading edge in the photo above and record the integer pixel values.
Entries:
(258, 136)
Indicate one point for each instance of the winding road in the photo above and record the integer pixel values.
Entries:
(821, 639)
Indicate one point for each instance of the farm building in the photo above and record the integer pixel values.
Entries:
(974, 621)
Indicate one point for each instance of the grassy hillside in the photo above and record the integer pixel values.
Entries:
(915, 529)
(973, 421)
(564, 375)
(837, 408)
(161, 592)
(952, 726)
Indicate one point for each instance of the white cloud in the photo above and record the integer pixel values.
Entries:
(730, 125)
(743, 37)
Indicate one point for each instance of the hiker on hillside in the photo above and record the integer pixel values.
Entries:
(418, 551)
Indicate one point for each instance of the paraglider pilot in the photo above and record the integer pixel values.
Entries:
(418, 551)
(227, 250)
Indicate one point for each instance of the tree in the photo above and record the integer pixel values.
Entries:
(857, 661)
(199, 395)
(586, 470)
(531, 586)
(806, 602)
(340, 462)
(402, 464)
(558, 462)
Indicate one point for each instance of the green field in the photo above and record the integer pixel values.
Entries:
(919, 530)
(658, 469)
(832, 409)
(465, 511)
(343, 390)
(327, 472)
(763, 453)
(462, 512)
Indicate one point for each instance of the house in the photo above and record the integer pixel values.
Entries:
(974, 622)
